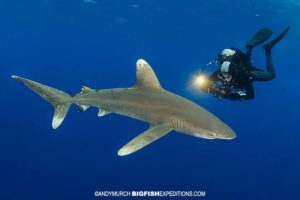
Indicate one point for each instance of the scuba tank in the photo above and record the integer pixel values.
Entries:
(234, 66)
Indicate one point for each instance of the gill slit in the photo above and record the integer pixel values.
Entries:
(177, 124)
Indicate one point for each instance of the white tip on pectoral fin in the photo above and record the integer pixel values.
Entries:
(144, 139)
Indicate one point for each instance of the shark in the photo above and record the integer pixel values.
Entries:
(147, 101)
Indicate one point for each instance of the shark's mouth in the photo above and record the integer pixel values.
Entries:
(209, 138)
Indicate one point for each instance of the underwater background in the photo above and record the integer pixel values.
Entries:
(69, 43)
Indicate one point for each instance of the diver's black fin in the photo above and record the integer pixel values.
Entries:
(272, 43)
(261, 36)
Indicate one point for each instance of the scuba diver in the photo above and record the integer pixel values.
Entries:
(234, 78)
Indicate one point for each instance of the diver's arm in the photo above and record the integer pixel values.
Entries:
(214, 76)
(249, 93)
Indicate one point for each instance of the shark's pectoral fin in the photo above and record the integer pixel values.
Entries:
(142, 140)
(145, 75)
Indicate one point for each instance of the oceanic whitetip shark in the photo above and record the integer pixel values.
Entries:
(146, 101)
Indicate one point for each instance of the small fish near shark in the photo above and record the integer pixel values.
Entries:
(146, 101)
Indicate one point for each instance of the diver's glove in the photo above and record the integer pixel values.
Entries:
(240, 95)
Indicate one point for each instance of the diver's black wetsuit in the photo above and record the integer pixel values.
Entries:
(241, 72)
(243, 76)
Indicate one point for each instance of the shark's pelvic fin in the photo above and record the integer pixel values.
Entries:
(142, 140)
(60, 100)
(145, 75)
(83, 108)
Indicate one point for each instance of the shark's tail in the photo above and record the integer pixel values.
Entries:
(60, 100)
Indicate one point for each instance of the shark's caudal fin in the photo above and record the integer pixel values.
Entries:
(60, 100)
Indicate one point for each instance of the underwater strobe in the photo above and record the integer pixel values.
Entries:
(200, 80)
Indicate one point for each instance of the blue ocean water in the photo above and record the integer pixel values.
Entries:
(70, 43)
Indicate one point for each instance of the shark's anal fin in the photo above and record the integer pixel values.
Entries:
(145, 75)
(153, 133)
(103, 112)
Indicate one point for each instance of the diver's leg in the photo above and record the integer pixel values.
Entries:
(270, 73)
(265, 75)
(269, 64)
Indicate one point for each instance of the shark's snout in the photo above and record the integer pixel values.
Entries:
(228, 134)
(222, 131)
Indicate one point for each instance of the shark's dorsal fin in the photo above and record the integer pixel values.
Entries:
(145, 75)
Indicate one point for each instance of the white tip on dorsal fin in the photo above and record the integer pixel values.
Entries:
(145, 75)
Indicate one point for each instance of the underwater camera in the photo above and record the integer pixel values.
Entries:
(218, 85)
